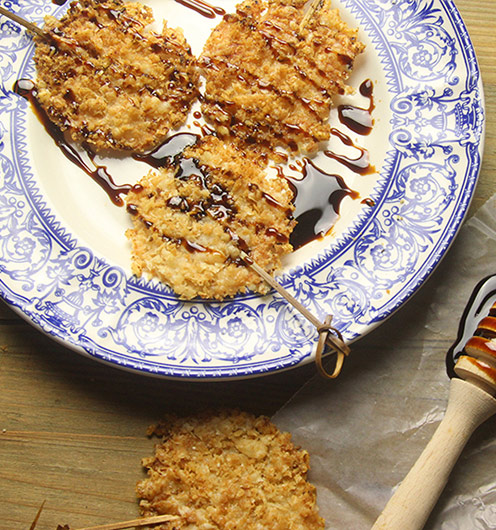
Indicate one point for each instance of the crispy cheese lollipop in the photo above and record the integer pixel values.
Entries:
(228, 469)
(192, 219)
(108, 79)
(271, 73)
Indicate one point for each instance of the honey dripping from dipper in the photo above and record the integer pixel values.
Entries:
(473, 327)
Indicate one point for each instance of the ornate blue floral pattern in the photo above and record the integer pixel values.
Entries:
(422, 194)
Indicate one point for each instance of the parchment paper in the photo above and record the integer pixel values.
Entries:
(366, 429)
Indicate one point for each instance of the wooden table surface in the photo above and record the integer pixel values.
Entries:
(72, 431)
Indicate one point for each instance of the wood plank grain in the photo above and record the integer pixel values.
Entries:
(480, 19)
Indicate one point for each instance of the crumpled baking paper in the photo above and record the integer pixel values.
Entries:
(366, 429)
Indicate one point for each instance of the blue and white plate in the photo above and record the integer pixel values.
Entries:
(65, 261)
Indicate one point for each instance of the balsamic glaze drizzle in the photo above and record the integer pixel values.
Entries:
(168, 151)
(317, 200)
(360, 164)
(190, 246)
(359, 119)
(202, 7)
(317, 195)
(27, 89)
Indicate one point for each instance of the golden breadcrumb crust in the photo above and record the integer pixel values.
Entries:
(229, 471)
(269, 83)
(191, 220)
(109, 80)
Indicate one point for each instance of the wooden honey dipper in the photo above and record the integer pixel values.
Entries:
(471, 402)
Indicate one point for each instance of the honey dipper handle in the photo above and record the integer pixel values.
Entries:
(415, 497)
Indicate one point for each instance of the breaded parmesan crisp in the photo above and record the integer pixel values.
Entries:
(192, 218)
(111, 81)
(270, 82)
(228, 471)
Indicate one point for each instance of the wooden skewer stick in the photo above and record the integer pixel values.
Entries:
(33, 28)
(38, 513)
(312, 9)
(334, 342)
(323, 336)
(143, 521)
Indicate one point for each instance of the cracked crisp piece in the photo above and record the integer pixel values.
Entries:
(269, 83)
(111, 81)
(228, 471)
(191, 219)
